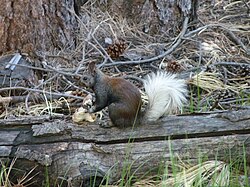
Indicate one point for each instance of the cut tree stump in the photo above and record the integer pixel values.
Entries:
(76, 153)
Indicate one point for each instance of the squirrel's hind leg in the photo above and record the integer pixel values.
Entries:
(120, 115)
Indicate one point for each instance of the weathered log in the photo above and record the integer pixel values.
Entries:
(74, 152)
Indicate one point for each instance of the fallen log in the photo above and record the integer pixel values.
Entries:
(76, 153)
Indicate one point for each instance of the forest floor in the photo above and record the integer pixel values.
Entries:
(213, 58)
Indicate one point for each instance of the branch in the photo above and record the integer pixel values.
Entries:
(170, 50)
(230, 63)
(237, 41)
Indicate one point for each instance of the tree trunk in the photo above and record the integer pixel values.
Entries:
(154, 17)
(32, 26)
(41, 25)
(77, 152)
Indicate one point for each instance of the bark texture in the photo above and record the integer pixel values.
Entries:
(36, 25)
(40, 25)
(156, 16)
(77, 152)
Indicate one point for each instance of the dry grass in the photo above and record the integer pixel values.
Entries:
(209, 173)
(211, 82)
(6, 171)
(213, 173)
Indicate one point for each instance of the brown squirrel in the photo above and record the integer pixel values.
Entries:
(165, 94)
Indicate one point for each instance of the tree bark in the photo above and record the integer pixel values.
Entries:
(36, 25)
(154, 17)
(31, 26)
(79, 152)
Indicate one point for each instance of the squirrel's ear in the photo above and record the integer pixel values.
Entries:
(92, 68)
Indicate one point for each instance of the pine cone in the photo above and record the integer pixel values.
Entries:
(78, 93)
(75, 93)
(116, 49)
(240, 71)
(223, 94)
(174, 67)
(243, 71)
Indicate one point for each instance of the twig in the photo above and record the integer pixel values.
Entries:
(71, 84)
(32, 67)
(248, 7)
(84, 43)
(104, 62)
(58, 56)
(170, 50)
(237, 41)
(91, 34)
(240, 107)
(225, 79)
(230, 63)
(98, 50)
(17, 99)
(59, 71)
(230, 33)
(235, 101)
(200, 29)
(40, 91)
(27, 97)
(104, 51)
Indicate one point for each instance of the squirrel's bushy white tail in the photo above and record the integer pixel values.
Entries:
(166, 94)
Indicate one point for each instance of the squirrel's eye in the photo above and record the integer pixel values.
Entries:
(84, 78)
